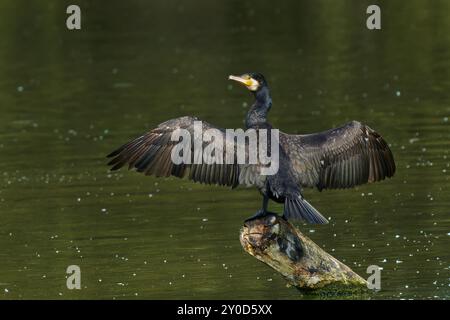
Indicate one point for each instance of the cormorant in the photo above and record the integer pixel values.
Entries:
(343, 157)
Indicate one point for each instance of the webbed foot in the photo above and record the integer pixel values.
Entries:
(259, 214)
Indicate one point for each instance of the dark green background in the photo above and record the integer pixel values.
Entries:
(67, 98)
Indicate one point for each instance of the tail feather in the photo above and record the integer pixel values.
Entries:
(300, 209)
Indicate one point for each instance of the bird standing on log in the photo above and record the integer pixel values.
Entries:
(343, 157)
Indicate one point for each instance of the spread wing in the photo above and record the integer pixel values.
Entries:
(343, 157)
(151, 154)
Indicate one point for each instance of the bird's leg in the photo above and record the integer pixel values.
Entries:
(265, 203)
(262, 212)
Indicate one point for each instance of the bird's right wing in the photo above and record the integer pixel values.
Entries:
(343, 157)
(151, 154)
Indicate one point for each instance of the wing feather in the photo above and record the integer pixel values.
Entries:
(151, 155)
(343, 157)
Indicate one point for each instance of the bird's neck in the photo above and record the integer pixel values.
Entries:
(257, 114)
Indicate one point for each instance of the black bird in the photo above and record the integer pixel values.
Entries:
(343, 157)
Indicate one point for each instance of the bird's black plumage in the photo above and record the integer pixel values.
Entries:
(343, 157)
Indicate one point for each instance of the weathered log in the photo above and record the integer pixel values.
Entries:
(297, 258)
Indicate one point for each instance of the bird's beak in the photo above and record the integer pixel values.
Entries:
(247, 82)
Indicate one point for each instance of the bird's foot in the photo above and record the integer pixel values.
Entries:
(259, 214)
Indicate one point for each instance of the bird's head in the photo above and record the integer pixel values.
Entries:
(252, 81)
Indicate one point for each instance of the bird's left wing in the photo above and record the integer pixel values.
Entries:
(343, 157)
(151, 154)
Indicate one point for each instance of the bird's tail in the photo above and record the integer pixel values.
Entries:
(297, 208)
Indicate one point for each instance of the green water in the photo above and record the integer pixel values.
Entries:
(67, 98)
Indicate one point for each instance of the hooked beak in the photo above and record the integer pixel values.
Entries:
(247, 81)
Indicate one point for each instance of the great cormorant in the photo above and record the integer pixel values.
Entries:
(343, 157)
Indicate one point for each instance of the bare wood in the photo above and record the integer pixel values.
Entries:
(297, 258)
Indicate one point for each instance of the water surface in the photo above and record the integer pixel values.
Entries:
(69, 98)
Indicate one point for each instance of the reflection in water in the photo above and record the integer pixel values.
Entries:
(67, 98)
